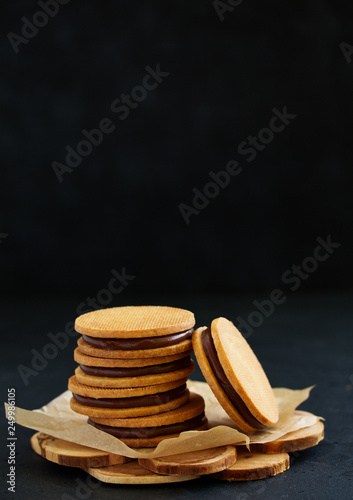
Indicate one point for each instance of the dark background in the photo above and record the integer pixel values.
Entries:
(119, 207)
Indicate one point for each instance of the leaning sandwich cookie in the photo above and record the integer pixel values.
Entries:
(235, 375)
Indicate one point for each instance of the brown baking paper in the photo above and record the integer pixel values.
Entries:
(57, 419)
(289, 419)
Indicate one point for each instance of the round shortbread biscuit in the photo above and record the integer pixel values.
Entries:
(84, 359)
(182, 347)
(194, 407)
(134, 321)
(244, 371)
(152, 442)
(140, 411)
(140, 381)
(213, 383)
(99, 392)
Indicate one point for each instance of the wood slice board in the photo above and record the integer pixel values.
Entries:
(194, 463)
(72, 454)
(293, 441)
(183, 467)
(133, 473)
(250, 466)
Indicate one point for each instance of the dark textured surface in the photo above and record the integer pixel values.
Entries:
(119, 207)
(308, 340)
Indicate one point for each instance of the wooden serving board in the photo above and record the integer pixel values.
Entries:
(293, 441)
(133, 473)
(250, 466)
(195, 463)
(226, 462)
(72, 454)
(104, 466)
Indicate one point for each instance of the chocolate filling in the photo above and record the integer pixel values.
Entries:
(102, 371)
(234, 398)
(141, 343)
(148, 432)
(134, 402)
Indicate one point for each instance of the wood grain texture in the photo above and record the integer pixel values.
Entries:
(250, 466)
(72, 454)
(133, 473)
(293, 441)
(195, 463)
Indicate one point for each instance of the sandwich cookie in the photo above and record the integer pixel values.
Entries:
(150, 430)
(135, 322)
(106, 349)
(85, 359)
(135, 332)
(136, 376)
(127, 402)
(235, 375)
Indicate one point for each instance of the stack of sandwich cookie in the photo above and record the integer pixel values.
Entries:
(150, 430)
(134, 363)
(131, 383)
